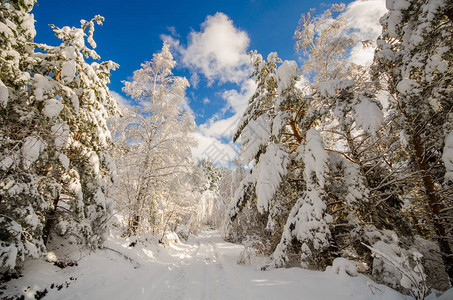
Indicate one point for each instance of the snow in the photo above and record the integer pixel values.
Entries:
(52, 108)
(343, 266)
(254, 136)
(279, 122)
(204, 267)
(76, 188)
(31, 149)
(60, 132)
(432, 8)
(10, 252)
(42, 84)
(447, 157)
(64, 160)
(354, 182)
(69, 53)
(314, 156)
(331, 87)
(405, 86)
(7, 162)
(110, 164)
(94, 162)
(75, 102)
(272, 57)
(3, 94)
(32, 220)
(5, 30)
(28, 23)
(308, 220)
(269, 172)
(68, 71)
(448, 295)
(286, 74)
(368, 116)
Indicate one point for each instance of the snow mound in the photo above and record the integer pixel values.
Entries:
(343, 266)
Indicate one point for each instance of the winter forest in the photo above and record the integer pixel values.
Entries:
(342, 187)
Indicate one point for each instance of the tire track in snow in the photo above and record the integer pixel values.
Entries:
(173, 283)
(231, 276)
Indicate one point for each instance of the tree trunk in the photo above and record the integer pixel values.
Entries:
(435, 208)
(50, 220)
(133, 224)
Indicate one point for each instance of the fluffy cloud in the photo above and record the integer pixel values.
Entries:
(218, 51)
(237, 101)
(214, 149)
(122, 101)
(215, 136)
(363, 16)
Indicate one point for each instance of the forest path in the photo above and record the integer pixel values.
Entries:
(204, 267)
(201, 268)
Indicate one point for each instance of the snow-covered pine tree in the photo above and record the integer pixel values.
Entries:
(76, 104)
(153, 145)
(275, 124)
(21, 204)
(54, 145)
(362, 185)
(413, 62)
(260, 134)
(339, 100)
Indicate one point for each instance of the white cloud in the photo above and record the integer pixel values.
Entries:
(173, 31)
(238, 101)
(194, 80)
(171, 40)
(220, 128)
(215, 135)
(206, 101)
(218, 51)
(362, 55)
(213, 149)
(122, 101)
(363, 16)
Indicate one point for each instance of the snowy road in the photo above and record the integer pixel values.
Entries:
(200, 273)
(203, 268)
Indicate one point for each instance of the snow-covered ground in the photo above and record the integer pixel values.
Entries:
(204, 267)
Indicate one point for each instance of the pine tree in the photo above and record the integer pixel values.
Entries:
(55, 161)
(413, 62)
(332, 194)
(21, 202)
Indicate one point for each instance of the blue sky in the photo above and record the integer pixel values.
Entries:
(210, 40)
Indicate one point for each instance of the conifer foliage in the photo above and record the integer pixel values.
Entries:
(348, 165)
(343, 167)
(54, 160)
(414, 63)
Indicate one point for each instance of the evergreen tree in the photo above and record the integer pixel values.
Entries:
(54, 162)
(323, 144)
(22, 205)
(413, 62)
